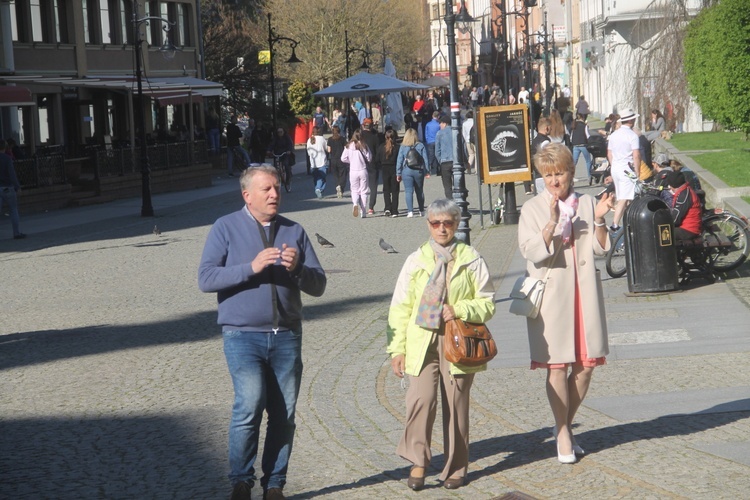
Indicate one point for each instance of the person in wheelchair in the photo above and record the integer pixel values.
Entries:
(686, 208)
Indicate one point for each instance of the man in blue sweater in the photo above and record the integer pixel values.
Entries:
(430, 134)
(258, 262)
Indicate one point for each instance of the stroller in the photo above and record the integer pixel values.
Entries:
(597, 146)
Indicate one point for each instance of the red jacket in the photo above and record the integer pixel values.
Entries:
(686, 209)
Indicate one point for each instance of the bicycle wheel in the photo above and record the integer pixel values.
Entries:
(616, 267)
(734, 229)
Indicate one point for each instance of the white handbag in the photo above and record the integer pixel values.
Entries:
(527, 296)
(528, 292)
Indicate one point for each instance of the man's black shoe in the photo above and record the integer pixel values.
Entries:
(274, 494)
(19, 236)
(241, 491)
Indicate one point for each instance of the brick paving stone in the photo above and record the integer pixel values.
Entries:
(113, 382)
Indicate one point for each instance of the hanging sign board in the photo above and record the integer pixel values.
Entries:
(503, 143)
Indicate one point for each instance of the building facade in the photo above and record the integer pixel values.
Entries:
(73, 63)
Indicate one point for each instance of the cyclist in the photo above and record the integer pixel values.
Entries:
(686, 208)
(280, 144)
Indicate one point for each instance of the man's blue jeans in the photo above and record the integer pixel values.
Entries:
(581, 150)
(319, 178)
(266, 370)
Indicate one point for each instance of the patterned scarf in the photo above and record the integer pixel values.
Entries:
(429, 313)
(568, 208)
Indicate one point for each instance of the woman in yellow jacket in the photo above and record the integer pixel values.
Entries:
(444, 279)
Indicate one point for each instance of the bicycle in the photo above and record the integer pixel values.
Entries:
(723, 245)
(285, 171)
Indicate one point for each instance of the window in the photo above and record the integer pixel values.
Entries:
(89, 22)
(107, 35)
(37, 33)
(126, 21)
(182, 27)
(162, 37)
(13, 23)
(61, 28)
(149, 38)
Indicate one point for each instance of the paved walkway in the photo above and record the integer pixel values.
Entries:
(113, 382)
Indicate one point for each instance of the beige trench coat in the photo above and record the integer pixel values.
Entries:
(552, 332)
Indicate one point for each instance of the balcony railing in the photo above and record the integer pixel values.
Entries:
(40, 171)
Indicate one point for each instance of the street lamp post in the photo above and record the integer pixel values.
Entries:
(272, 39)
(348, 51)
(147, 209)
(459, 191)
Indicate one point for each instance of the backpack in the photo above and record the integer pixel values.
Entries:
(414, 160)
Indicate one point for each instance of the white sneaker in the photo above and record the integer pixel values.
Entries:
(339, 194)
(410, 214)
(318, 193)
(417, 214)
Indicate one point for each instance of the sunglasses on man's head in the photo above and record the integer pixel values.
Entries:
(448, 224)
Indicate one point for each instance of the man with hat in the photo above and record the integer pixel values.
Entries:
(623, 152)
(686, 207)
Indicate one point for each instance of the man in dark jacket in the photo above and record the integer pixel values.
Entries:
(373, 140)
(9, 188)
(234, 134)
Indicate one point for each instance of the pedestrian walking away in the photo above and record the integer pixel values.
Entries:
(444, 155)
(9, 189)
(579, 137)
(373, 140)
(412, 174)
(317, 151)
(234, 149)
(443, 280)
(258, 263)
(623, 154)
(385, 159)
(357, 154)
(430, 134)
(336, 145)
(559, 233)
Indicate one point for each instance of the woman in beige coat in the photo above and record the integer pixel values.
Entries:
(563, 230)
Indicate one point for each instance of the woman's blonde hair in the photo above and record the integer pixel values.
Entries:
(410, 138)
(556, 127)
(554, 157)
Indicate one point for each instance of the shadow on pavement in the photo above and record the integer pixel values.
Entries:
(30, 348)
(128, 457)
(526, 448)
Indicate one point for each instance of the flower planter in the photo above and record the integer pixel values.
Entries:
(302, 130)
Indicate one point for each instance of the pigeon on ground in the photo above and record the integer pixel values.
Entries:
(387, 248)
(324, 242)
(156, 231)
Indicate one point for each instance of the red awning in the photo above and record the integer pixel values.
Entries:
(15, 96)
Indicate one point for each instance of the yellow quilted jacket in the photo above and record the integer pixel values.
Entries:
(470, 292)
